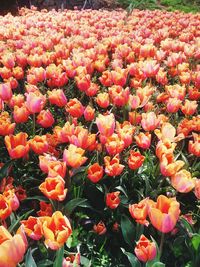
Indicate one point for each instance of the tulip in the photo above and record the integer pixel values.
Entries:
(100, 228)
(35, 102)
(189, 107)
(57, 97)
(145, 250)
(5, 207)
(114, 145)
(168, 166)
(11, 199)
(45, 119)
(89, 113)
(143, 140)
(12, 249)
(197, 188)
(113, 166)
(173, 105)
(74, 156)
(164, 215)
(95, 173)
(6, 127)
(135, 160)
(149, 121)
(32, 227)
(39, 144)
(103, 100)
(118, 95)
(56, 230)
(113, 200)
(75, 108)
(17, 145)
(5, 91)
(182, 181)
(21, 114)
(106, 78)
(106, 124)
(54, 188)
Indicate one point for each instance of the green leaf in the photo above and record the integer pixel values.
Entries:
(29, 260)
(85, 262)
(158, 264)
(74, 203)
(4, 171)
(59, 257)
(185, 224)
(44, 263)
(128, 230)
(39, 198)
(132, 259)
(196, 241)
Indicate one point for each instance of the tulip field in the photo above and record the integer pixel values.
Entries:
(99, 138)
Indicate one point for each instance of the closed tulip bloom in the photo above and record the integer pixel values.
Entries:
(135, 160)
(75, 108)
(57, 97)
(106, 124)
(32, 227)
(8, 60)
(83, 82)
(106, 78)
(35, 102)
(182, 181)
(49, 164)
(73, 156)
(118, 95)
(100, 228)
(173, 105)
(143, 140)
(54, 188)
(103, 100)
(149, 121)
(39, 144)
(6, 127)
(12, 248)
(189, 107)
(16, 100)
(11, 198)
(89, 113)
(113, 166)
(95, 173)
(45, 119)
(145, 250)
(21, 114)
(113, 200)
(56, 230)
(194, 146)
(5, 91)
(165, 214)
(17, 145)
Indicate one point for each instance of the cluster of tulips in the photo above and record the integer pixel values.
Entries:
(108, 95)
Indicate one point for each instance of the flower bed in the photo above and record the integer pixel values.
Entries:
(100, 143)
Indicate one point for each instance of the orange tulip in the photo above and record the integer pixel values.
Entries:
(114, 145)
(118, 95)
(11, 198)
(100, 228)
(194, 146)
(39, 144)
(45, 118)
(95, 173)
(164, 215)
(21, 114)
(106, 124)
(143, 140)
(75, 108)
(5, 91)
(54, 188)
(135, 160)
(113, 166)
(17, 145)
(89, 113)
(139, 211)
(103, 100)
(57, 97)
(173, 105)
(197, 188)
(73, 156)
(35, 102)
(149, 121)
(32, 227)
(6, 127)
(145, 250)
(12, 249)
(189, 107)
(168, 166)
(51, 165)
(113, 200)
(182, 181)
(56, 230)
(5, 207)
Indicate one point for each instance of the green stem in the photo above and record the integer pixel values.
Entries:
(161, 243)
(33, 125)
